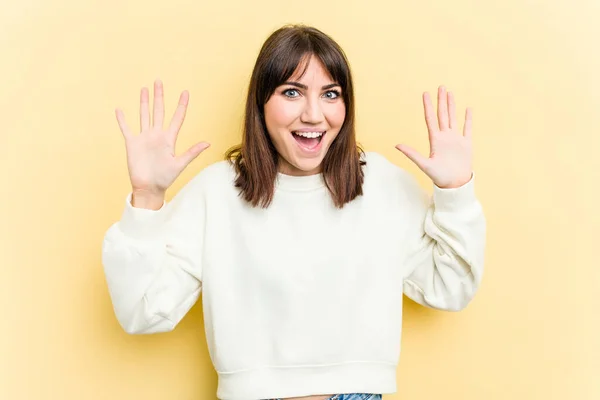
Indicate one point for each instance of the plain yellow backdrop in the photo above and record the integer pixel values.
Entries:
(529, 69)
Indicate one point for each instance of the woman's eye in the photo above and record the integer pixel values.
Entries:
(332, 94)
(291, 93)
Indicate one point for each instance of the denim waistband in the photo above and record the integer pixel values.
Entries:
(351, 396)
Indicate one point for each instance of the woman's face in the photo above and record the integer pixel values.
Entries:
(303, 117)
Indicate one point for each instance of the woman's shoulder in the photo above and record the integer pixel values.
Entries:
(214, 175)
(383, 176)
(218, 170)
(378, 165)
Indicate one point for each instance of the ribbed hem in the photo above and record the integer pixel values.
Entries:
(142, 223)
(276, 382)
(455, 199)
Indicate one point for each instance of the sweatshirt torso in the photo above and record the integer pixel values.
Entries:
(299, 298)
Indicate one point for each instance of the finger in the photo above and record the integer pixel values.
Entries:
(432, 125)
(122, 124)
(179, 115)
(144, 111)
(414, 156)
(451, 111)
(443, 108)
(159, 104)
(468, 123)
(186, 158)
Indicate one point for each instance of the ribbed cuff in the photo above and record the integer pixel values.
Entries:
(455, 199)
(142, 223)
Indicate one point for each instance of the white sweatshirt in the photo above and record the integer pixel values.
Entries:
(300, 298)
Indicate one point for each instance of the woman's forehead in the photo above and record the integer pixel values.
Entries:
(310, 68)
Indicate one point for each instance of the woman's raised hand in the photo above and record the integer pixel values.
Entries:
(450, 160)
(151, 160)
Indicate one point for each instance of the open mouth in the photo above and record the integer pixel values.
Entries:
(309, 140)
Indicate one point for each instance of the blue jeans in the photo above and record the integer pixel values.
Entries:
(353, 396)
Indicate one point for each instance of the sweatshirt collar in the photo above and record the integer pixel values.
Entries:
(299, 183)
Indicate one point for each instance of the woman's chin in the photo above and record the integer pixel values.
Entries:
(303, 166)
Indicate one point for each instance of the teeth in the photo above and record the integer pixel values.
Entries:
(309, 134)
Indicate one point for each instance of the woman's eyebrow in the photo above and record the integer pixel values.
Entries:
(301, 86)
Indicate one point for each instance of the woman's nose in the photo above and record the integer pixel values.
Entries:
(312, 113)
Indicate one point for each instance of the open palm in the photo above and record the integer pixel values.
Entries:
(151, 160)
(449, 164)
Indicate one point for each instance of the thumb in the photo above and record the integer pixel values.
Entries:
(414, 156)
(186, 158)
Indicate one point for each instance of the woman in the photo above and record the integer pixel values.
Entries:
(301, 244)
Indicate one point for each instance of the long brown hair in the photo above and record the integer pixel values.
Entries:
(256, 159)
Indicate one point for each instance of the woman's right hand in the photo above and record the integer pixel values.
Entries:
(151, 160)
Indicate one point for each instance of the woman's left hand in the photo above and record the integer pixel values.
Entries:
(449, 164)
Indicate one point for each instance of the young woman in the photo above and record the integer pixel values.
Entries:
(301, 243)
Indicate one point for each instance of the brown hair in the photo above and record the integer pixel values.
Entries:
(256, 159)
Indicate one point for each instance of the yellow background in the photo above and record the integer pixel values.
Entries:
(529, 69)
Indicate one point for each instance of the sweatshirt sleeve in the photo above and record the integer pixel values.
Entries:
(152, 262)
(446, 237)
